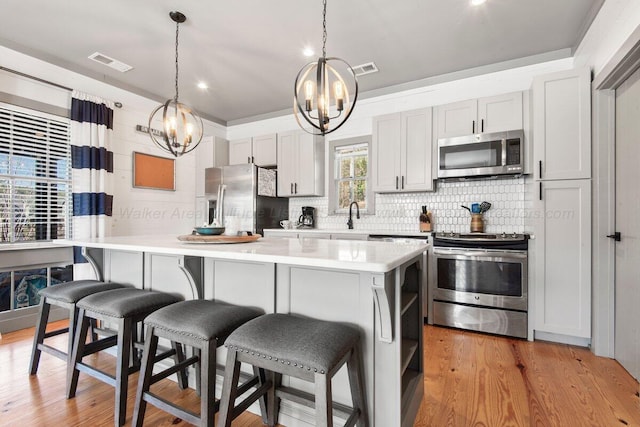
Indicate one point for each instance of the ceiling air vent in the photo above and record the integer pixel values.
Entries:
(110, 62)
(367, 68)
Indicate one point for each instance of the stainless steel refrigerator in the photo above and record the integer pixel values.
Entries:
(249, 200)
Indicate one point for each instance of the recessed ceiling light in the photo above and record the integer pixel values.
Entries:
(477, 2)
(203, 85)
(308, 52)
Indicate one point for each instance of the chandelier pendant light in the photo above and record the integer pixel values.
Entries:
(321, 95)
(181, 126)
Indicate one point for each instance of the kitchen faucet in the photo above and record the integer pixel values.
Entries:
(350, 222)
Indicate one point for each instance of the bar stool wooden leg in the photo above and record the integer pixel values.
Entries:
(324, 413)
(38, 337)
(82, 325)
(229, 388)
(146, 372)
(273, 402)
(208, 383)
(122, 369)
(356, 384)
(178, 357)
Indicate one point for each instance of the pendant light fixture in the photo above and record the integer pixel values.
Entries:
(181, 126)
(321, 94)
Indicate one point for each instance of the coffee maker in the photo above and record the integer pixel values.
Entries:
(307, 219)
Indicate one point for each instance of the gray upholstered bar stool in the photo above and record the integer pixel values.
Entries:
(126, 308)
(310, 349)
(64, 295)
(203, 325)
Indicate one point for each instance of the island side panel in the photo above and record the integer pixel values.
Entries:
(342, 296)
(126, 267)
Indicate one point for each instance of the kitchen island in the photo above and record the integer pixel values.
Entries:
(373, 285)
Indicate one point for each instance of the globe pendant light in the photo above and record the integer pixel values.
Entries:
(181, 126)
(325, 91)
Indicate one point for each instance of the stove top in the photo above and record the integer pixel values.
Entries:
(492, 237)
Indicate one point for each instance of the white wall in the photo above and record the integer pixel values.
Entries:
(135, 210)
(615, 22)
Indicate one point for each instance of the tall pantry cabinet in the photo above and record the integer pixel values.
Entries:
(561, 285)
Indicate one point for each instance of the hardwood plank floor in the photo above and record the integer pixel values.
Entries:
(470, 380)
(473, 379)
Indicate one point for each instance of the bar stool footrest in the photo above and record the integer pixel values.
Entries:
(52, 351)
(169, 407)
(56, 332)
(173, 369)
(96, 373)
(308, 400)
(257, 394)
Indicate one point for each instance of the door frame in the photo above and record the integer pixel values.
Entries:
(621, 66)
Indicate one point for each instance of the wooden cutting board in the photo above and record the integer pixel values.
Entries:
(197, 238)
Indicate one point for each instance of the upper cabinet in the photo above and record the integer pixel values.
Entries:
(562, 125)
(212, 151)
(260, 150)
(402, 151)
(300, 164)
(490, 114)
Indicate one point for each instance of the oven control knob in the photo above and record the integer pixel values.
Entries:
(504, 235)
(515, 235)
(477, 298)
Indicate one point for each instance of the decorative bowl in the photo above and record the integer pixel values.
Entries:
(209, 231)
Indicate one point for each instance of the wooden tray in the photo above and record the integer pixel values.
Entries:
(196, 238)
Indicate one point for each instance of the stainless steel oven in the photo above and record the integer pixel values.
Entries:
(479, 282)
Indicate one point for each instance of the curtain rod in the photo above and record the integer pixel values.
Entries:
(35, 78)
(116, 104)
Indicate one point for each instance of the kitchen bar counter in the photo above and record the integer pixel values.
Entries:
(373, 285)
(378, 257)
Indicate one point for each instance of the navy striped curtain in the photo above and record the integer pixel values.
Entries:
(92, 171)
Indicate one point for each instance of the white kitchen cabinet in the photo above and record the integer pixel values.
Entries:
(213, 151)
(402, 151)
(260, 150)
(300, 164)
(562, 125)
(562, 262)
(490, 114)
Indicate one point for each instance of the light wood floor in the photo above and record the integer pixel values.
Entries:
(470, 380)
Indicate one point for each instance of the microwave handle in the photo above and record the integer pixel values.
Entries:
(504, 152)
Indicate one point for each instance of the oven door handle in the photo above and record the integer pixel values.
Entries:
(487, 255)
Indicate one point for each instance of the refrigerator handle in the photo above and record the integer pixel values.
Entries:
(220, 205)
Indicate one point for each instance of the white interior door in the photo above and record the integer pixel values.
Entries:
(627, 250)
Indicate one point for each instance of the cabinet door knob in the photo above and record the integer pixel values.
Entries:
(248, 159)
(473, 126)
(615, 236)
(291, 192)
(295, 186)
(482, 125)
(402, 187)
(396, 182)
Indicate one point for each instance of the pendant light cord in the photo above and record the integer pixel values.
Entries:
(177, 32)
(324, 29)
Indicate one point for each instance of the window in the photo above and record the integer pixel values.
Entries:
(349, 172)
(35, 175)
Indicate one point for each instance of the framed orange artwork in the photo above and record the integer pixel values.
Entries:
(154, 172)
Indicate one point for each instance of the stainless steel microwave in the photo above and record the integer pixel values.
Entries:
(483, 154)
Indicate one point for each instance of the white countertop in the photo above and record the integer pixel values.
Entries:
(347, 231)
(357, 255)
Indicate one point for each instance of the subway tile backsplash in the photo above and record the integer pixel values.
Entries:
(400, 212)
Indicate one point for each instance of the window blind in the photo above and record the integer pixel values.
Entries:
(35, 175)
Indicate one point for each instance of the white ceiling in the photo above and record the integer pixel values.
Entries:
(249, 51)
